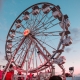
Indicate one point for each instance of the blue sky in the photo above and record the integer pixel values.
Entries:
(10, 9)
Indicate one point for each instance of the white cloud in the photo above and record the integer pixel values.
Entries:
(67, 50)
(75, 34)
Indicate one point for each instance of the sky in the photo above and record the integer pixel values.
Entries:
(10, 9)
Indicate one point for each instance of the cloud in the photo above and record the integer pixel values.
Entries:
(68, 50)
(75, 34)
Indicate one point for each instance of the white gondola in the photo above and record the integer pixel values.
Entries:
(67, 41)
(9, 56)
(9, 46)
(67, 23)
(12, 35)
(62, 25)
(18, 25)
(46, 10)
(26, 17)
(35, 12)
(56, 14)
(9, 41)
(60, 60)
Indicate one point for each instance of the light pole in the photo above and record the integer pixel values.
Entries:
(71, 70)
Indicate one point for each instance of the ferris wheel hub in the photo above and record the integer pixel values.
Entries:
(26, 32)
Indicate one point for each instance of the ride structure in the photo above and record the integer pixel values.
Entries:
(37, 39)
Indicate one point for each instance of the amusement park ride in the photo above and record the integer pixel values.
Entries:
(37, 39)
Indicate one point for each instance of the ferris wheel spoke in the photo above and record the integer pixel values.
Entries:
(46, 44)
(23, 27)
(40, 20)
(17, 43)
(40, 59)
(42, 47)
(54, 33)
(43, 24)
(19, 57)
(34, 19)
(37, 20)
(46, 27)
(18, 32)
(16, 38)
(26, 54)
(46, 22)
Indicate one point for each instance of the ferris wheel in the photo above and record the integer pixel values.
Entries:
(37, 38)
